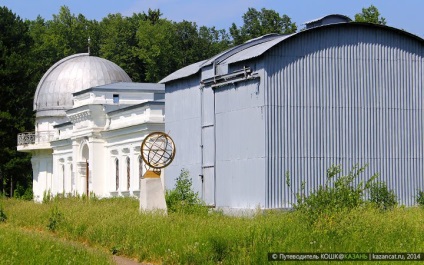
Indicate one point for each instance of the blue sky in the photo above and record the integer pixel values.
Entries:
(407, 15)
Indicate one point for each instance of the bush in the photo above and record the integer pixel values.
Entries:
(56, 217)
(420, 198)
(381, 196)
(338, 194)
(182, 198)
(23, 193)
(28, 194)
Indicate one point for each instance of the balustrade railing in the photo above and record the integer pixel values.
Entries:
(35, 137)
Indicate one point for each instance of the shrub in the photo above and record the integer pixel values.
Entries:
(28, 194)
(19, 191)
(420, 198)
(337, 194)
(381, 196)
(55, 218)
(182, 198)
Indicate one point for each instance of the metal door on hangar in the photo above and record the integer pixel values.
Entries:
(208, 145)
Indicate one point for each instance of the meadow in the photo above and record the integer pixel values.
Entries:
(81, 231)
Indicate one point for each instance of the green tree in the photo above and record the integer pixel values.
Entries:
(119, 43)
(156, 48)
(64, 35)
(16, 93)
(370, 15)
(193, 44)
(257, 23)
(165, 46)
(212, 41)
(68, 33)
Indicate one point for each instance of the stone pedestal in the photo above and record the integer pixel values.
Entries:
(152, 195)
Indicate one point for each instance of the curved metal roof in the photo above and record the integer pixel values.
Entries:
(184, 72)
(256, 47)
(243, 51)
(343, 17)
(72, 74)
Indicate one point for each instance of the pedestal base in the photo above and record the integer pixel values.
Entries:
(152, 195)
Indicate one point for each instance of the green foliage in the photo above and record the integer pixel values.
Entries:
(16, 92)
(220, 248)
(381, 196)
(182, 199)
(114, 250)
(370, 15)
(165, 46)
(257, 23)
(420, 198)
(64, 35)
(23, 193)
(93, 196)
(118, 43)
(28, 194)
(116, 225)
(3, 216)
(55, 218)
(21, 245)
(338, 194)
(47, 196)
(155, 48)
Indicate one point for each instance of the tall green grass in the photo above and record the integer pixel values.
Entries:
(117, 226)
(19, 246)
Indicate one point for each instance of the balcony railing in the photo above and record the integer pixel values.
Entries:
(35, 137)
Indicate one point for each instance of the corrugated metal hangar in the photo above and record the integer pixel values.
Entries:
(338, 92)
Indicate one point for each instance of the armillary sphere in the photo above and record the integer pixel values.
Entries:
(158, 150)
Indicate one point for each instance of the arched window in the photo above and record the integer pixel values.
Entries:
(117, 173)
(128, 173)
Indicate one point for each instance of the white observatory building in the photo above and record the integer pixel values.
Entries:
(90, 121)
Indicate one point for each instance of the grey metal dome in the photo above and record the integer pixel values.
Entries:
(72, 74)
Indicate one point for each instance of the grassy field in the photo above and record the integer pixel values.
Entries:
(24, 246)
(116, 226)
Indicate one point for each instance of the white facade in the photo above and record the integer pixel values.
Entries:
(93, 146)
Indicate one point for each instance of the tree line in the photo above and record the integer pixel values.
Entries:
(146, 45)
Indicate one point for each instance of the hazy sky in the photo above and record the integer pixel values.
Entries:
(407, 14)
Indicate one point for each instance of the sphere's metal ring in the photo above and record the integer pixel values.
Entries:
(144, 149)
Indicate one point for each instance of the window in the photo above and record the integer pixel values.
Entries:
(128, 174)
(117, 173)
(115, 98)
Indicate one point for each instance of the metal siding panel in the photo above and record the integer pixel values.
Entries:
(208, 136)
(356, 102)
(240, 152)
(182, 117)
(209, 185)
(208, 107)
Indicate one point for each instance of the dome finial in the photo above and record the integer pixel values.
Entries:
(88, 40)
